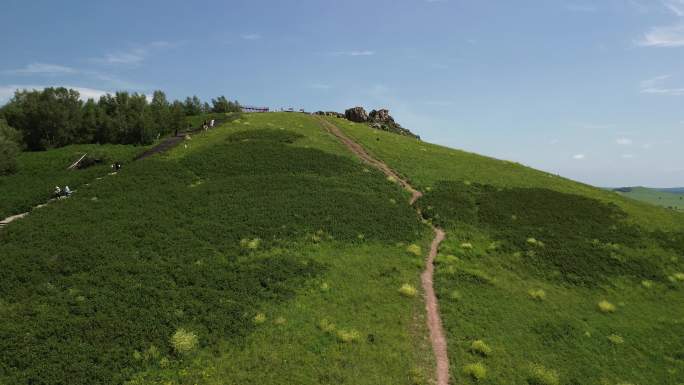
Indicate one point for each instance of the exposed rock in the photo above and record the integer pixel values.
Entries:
(356, 114)
(380, 116)
(329, 113)
(382, 120)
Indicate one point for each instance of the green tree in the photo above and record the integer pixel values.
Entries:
(193, 106)
(223, 105)
(160, 112)
(9, 148)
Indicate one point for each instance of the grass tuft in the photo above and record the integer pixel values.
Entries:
(678, 276)
(184, 341)
(477, 371)
(481, 348)
(616, 339)
(259, 318)
(348, 336)
(539, 375)
(326, 326)
(537, 294)
(414, 249)
(408, 290)
(606, 307)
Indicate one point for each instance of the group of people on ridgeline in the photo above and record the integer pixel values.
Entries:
(208, 124)
(66, 192)
(62, 193)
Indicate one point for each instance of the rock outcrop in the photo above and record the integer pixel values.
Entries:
(329, 113)
(356, 114)
(382, 120)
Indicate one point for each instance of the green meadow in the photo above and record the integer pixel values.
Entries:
(543, 280)
(672, 200)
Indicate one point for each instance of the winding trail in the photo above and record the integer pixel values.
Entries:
(434, 322)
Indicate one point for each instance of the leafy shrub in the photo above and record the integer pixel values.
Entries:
(606, 307)
(477, 371)
(539, 375)
(408, 290)
(184, 341)
(480, 347)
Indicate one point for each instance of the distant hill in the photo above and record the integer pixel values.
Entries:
(672, 198)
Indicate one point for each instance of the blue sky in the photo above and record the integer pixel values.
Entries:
(591, 90)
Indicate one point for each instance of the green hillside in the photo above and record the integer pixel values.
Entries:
(664, 198)
(264, 252)
(543, 280)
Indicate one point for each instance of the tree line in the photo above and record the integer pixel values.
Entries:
(56, 117)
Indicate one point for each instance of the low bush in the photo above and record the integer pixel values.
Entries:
(408, 290)
(537, 294)
(539, 375)
(476, 371)
(606, 307)
(481, 348)
(184, 341)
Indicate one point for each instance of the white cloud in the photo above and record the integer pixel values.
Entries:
(627, 156)
(655, 86)
(624, 141)
(354, 53)
(667, 36)
(6, 92)
(250, 36)
(578, 156)
(42, 69)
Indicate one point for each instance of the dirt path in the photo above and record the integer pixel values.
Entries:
(437, 338)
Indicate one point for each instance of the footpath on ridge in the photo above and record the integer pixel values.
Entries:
(437, 338)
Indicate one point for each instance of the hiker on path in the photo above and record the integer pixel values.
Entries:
(211, 123)
(67, 191)
(58, 192)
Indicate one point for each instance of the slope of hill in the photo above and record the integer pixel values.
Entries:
(669, 198)
(542, 280)
(265, 252)
(254, 255)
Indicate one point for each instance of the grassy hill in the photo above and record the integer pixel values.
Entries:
(543, 280)
(670, 198)
(263, 252)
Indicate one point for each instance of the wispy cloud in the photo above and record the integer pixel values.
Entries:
(676, 7)
(627, 156)
(42, 69)
(353, 53)
(624, 141)
(7, 91)
(250, 36)
(664, 37)
(133, 56)
(579, 156)
(656, 86)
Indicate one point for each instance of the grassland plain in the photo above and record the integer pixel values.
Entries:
(543, 280)
(261, 253)
(40, 172)
(655, 197)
